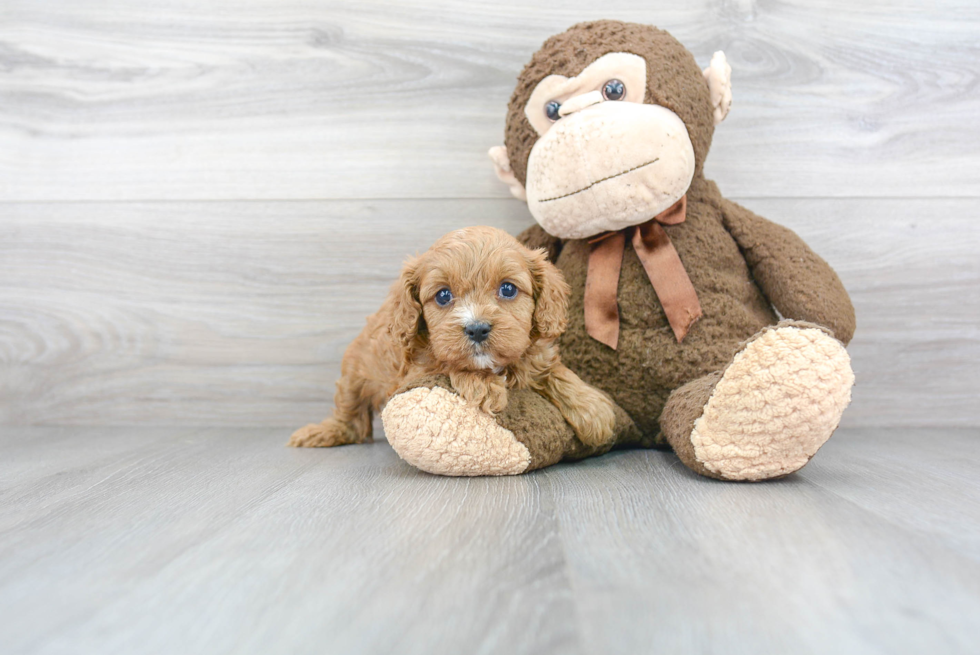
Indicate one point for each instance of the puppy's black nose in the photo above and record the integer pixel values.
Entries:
(477, 332)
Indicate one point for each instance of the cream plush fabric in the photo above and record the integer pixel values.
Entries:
(719, 77)
(437, 431)
(583, 180)
(777, 403)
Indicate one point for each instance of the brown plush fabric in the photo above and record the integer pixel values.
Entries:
(684, 406)
(538, 425)
(798, 282)
(674, 80)
(649, 363)
(537, 239)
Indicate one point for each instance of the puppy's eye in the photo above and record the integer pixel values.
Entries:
(614, 90)
(444, 297)
(551, 110)
(508, 291)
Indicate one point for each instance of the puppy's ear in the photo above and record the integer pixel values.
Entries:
(550, 296)
(406, 315)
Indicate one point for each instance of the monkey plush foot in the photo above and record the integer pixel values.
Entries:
(437, 431)
(434, 429)
(768, 412)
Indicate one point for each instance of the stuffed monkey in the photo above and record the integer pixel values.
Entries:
(716, 332)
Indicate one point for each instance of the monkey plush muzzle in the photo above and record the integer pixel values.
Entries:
(608, 166)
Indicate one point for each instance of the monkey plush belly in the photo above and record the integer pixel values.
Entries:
(649, 363)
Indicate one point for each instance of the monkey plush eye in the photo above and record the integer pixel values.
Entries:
(444, 297)
(614, 90)
(551, 110)
(507, 291)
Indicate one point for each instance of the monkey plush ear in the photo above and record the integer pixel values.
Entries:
(501, 164)
(719, 77)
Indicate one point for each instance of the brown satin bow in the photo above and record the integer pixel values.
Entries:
(662, 265)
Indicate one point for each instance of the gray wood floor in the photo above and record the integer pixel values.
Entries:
(153, 540)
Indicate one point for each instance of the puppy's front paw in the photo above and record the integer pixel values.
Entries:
(489, 393)
(593, 419)
(496, 399)
(323, 435)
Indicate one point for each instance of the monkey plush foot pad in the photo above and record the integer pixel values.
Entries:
(437, 431)
(778, 401)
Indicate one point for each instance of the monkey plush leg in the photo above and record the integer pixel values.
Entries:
(766, 414)
(434, 429)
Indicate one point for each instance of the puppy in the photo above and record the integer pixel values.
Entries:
(481, 308)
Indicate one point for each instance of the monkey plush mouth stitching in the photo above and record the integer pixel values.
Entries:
(605, 179)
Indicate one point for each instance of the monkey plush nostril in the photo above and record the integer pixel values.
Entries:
(477, 332)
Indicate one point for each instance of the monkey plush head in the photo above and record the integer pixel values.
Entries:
(609, 124)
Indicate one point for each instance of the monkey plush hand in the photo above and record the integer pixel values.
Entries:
(676, 292)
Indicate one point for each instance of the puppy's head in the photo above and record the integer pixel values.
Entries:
(477, 299)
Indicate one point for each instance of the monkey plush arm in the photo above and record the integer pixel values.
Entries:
(798, 283)
(535, 237)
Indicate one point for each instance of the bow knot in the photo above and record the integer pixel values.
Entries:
(663, 267)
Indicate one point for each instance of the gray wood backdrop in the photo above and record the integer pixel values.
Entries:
(200, 201)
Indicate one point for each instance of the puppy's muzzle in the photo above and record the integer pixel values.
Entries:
(477, 331)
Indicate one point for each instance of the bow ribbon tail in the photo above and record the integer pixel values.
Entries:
(601, 286)
(668, 277)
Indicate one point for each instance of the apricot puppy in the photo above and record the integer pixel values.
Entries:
(481, 308)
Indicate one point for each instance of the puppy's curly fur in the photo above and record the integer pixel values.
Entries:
(420, 329)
